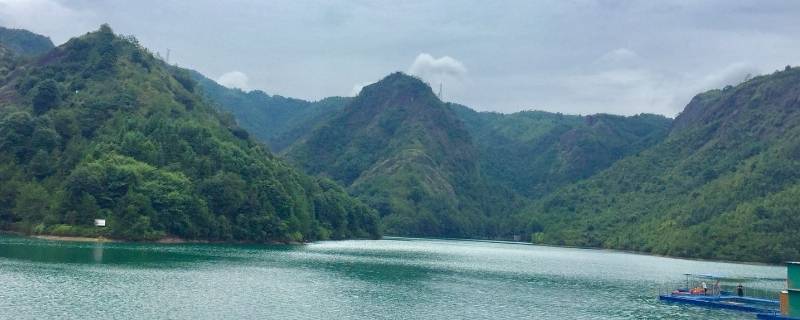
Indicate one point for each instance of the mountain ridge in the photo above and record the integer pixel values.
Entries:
(101, 128)
(722, 185)
(25, 43)
(401, 150)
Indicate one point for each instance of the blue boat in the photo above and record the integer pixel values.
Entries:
(766, 297)
(746, 294)
(726, 301)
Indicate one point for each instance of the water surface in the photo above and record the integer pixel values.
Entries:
(359, 279)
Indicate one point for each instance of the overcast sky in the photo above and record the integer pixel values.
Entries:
(577, 57)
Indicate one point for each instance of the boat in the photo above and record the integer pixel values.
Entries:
(747, 294)
(767, 298)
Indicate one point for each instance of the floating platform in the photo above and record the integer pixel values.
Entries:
(774, 316)
(727, 301)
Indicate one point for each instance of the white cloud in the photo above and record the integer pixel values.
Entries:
(619, 56)
(47, 17)
(235, 79)
(425, 66)
(357, 88)
(444, 71)
(732, 74)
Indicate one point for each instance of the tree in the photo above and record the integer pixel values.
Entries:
(46, 96)
(32, 203)
(40, 165)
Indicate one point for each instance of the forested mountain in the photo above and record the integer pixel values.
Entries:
(404, 152)
(99, 128)
(24, 43)
(277, 121)
(7, 61)
(725, 183)
(535, 152)
(720, 181)
(437, 169)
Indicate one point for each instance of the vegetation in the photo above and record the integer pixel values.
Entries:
(435, 169)
(720, 181)
(725, 184)
(401, 150)
(536, 152)
(99, 128)
(24, 43)
(275, 120)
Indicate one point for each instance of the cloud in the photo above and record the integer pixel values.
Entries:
(444, 71)
(732, 74)
(357, 88)
(425, 66)
(47, 17)
(619, 56)
(235, 79)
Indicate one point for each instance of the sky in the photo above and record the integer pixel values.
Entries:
(574, 57)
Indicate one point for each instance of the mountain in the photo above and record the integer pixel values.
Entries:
(536, 152)
(396, 128)
(277, 121)
(724, 184)
(24, 43)
(100, 128)
(400, 149)
(7, 61)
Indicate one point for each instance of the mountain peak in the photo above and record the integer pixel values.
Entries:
(403, 151)
(23, 42)
(399, 82)
(149, 155)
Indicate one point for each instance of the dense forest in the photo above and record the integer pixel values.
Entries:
(406, 154)
(275, 120)
(536, 152)
(725, 184)
(434, 168)
(24, 43)
(719, 181)
(100, 128)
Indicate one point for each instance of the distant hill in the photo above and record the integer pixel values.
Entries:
(720, 181)
(24, 43)
(725, 184)
(275, 120)
(404, 152)
(535, 152)
(100, 128)
(7, 61)
(372, 142)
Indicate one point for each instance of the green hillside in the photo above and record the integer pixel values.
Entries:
(7, 61)
(400, 149)
(277, 121)
(24, 43)
(535, 152)
(99, 128)
(437, 169)
(725, 184)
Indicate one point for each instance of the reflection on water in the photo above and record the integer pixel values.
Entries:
(97, 252)
(383, 279)
(132, 254)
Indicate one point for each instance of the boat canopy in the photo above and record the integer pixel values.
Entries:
(733, 278)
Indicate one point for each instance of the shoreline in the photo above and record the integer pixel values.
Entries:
(176, 240)
(643, 253)
(70, 238)
(165, 240)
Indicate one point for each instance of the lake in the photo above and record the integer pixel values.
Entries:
(359, 279)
